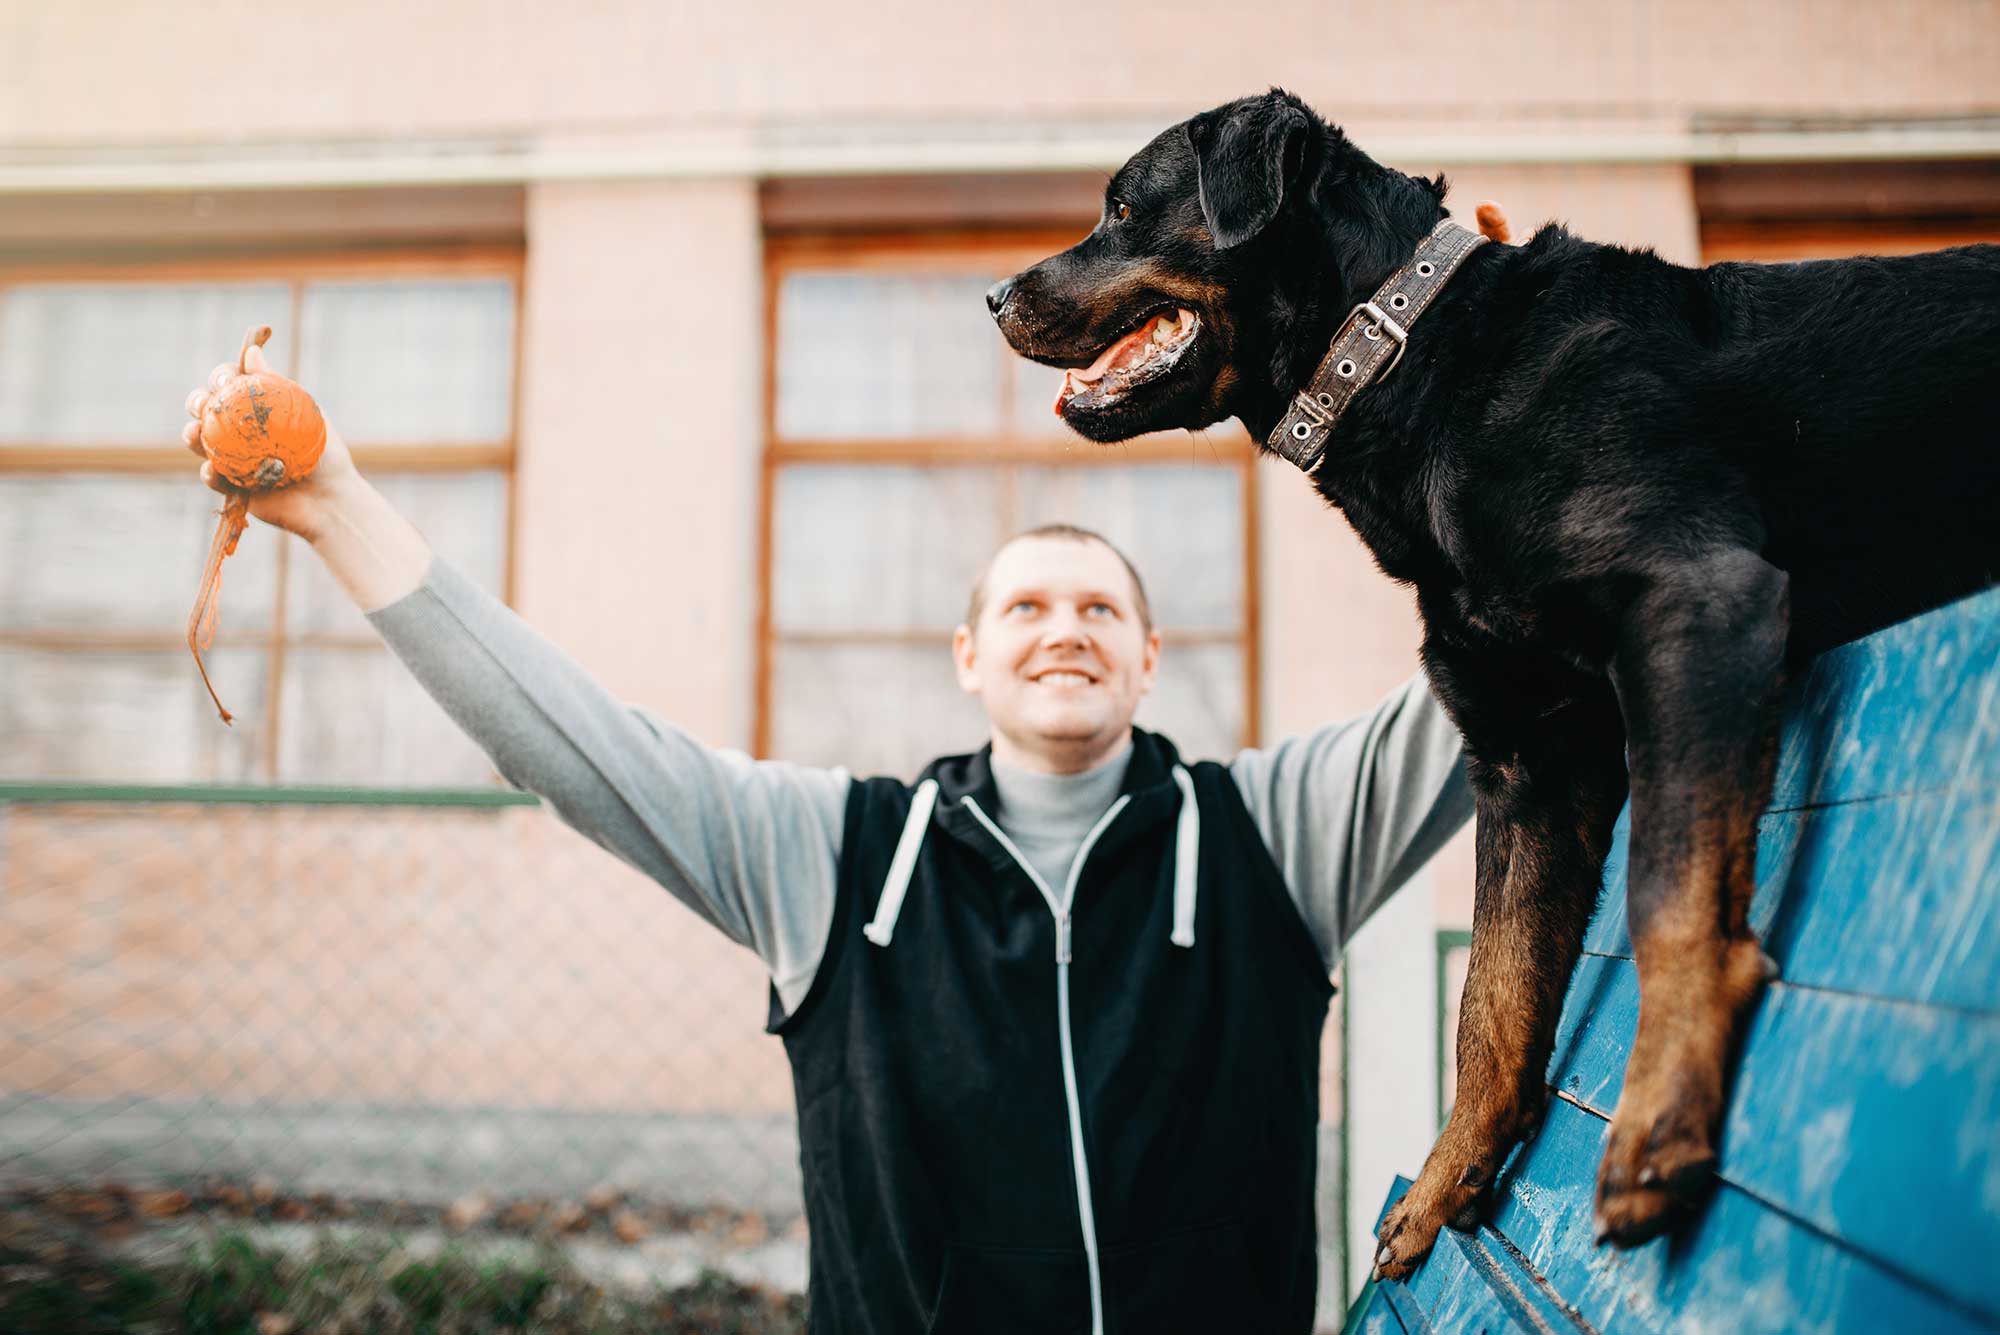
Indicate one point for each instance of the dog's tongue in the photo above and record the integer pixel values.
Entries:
(1096, 371)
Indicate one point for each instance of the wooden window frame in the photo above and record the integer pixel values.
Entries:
(939, 252)
(296, 269)
(1786, 211)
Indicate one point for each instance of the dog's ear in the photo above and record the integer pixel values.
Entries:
(1246, 157)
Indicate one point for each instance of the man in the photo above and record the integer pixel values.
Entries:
(1053, 1011)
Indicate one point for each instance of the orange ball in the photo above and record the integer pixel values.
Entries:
(261, 430)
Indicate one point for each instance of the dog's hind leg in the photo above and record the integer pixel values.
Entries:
(1697, 673)
(1546, 800)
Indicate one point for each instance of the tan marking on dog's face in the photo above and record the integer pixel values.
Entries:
(1110, 306)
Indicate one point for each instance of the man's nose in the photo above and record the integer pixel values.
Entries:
(1064, 628)
(996, 296)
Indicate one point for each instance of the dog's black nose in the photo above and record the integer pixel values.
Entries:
(996, 296)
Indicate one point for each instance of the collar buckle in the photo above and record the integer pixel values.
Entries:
(1382, 325)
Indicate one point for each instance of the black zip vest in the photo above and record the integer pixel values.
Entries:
(1099, 1123)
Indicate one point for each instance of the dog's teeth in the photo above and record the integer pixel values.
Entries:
(1164, 331)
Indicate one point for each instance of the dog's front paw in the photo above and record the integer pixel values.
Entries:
(1660, 1158)
(1655, 1167)
(1405, 1238)
(1410, 1230)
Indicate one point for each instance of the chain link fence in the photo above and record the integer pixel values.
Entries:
(287, 1060)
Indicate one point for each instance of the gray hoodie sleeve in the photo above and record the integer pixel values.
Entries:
(752, 846)
(1351, 810)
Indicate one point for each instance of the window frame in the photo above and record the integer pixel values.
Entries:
(297, 269)
(965, 251)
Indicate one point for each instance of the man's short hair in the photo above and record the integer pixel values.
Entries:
(977, 602)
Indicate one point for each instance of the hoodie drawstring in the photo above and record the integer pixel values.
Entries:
(903, 865)
(1187, 857)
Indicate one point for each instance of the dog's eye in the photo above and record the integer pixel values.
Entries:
(1120, 210)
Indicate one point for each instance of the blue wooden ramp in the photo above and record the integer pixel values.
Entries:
(1860, 1177)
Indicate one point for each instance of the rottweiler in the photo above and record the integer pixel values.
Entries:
(1632, 497)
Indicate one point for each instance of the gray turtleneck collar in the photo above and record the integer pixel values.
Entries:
(1048, 815)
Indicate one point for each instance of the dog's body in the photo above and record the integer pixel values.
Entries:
(1578, 408)
(1628, 495)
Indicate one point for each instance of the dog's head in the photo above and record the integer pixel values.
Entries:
(1227, 246)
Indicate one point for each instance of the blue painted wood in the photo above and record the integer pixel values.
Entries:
(1845, 1112)
(1594, 1037)
(1382, 1312)
(1741, 1266)
(1609, 934)
(1475, 1282)
(1374, 1314)
(1913, 708)
(1898, 897)
(1479, 1281)
(1859, 1187)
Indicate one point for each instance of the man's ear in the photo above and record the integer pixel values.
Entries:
(1246, 157)
(962, 647)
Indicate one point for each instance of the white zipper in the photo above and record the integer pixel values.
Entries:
(1061, 910)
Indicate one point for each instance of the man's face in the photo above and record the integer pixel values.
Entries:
(1059, 658)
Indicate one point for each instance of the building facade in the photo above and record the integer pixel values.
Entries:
(664, 324)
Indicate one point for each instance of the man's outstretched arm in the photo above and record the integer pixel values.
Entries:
(1352, 810)
(751, 846)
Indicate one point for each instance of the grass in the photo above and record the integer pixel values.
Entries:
(230, 1286)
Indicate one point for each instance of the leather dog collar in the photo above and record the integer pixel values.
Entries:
(1369, 344)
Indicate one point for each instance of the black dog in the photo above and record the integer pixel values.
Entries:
(1631, 496)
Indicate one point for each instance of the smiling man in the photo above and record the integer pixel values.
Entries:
(1054, 1009)
(1058, 1069)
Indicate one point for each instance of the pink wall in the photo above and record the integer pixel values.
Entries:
(133, 72)
(641, 389)
(635, 526)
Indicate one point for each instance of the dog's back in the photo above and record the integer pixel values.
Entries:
(1853, 398)
(1867, 387)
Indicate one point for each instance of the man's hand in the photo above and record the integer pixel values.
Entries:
(300, 508)
(375, 553)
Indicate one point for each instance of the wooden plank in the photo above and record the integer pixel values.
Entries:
(1475, 1281)
(1910, 709)
(1741, 1267)
(1594, 1036)
(1375, 1314)
(1608, 933)
(1860, 1179)
(1480, 1281)
(1875, 1122)
(1894, 898)
(1846, 1111)
(1897, 899)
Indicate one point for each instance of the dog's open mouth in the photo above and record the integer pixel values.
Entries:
(1140, 357)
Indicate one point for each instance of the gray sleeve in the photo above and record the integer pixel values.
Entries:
(1350, 811)
(752, 846)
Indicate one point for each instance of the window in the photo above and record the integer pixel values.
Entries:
(104, 529)
(1776, 212)
(905, 443)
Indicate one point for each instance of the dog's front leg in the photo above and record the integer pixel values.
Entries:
(1697, 673)
(1546, 803)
